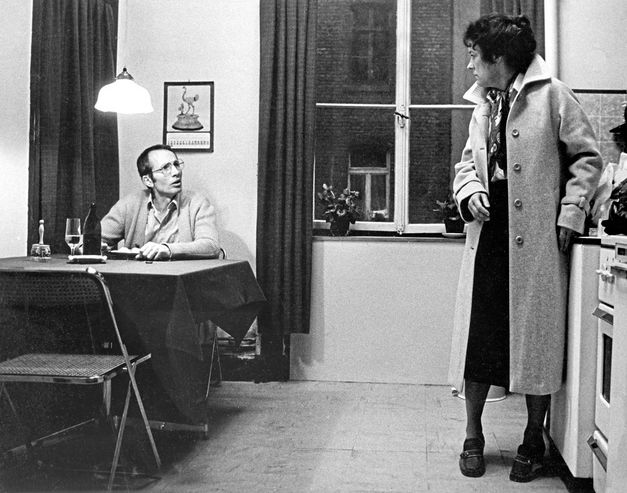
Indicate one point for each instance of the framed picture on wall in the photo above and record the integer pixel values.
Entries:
(188, 115)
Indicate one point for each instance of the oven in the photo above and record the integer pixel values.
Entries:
(605, 335)
(608, 440)
(604, 311)
(599, 439)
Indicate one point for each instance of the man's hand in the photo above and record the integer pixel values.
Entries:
(154, 251)
(479, 206)
(566, 237)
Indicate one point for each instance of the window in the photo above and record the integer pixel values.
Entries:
(391, 121)
(372, 39)
(369, 172)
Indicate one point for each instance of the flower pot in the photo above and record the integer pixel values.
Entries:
(340, 226)
(454, 225)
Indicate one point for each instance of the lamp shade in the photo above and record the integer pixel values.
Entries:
(124, 95)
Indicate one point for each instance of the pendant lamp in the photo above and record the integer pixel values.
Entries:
(124, 95)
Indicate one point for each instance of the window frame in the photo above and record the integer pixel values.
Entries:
(367, 172)
(403, 106)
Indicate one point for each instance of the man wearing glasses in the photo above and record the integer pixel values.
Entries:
(162, 222)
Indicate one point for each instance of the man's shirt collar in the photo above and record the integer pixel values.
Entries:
(174, 204)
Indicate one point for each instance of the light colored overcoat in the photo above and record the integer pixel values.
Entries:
(553, 167)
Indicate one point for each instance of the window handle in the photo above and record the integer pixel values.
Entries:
(400, 118)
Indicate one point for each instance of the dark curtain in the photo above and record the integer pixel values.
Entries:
(286, 158)
(533, 9)
(73, 147)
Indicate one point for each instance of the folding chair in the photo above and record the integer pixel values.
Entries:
(93, 354)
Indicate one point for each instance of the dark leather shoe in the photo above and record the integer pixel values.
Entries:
(471, 462)
(528, 464)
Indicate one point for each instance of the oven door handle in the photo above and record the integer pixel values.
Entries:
(593, 443)
(605, 314)
(606, 275)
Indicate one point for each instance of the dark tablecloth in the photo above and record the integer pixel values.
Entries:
(170, 308)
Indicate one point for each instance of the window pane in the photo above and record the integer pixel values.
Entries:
(355, 147)
(438, 54)
(379, 207)
(437, 138)
(356, 52)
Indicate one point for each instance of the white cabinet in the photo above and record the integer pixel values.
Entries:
(572, 408)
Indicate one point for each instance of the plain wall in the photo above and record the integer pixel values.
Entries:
(15, 42)
(197, 40)
(382, 311)
(592, 45)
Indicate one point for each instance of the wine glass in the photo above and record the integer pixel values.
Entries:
(73, 235)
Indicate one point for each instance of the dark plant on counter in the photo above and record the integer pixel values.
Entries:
(339, 209)
(448, 208)
(451, 217)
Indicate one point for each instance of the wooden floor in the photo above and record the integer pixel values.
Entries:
(321, 437)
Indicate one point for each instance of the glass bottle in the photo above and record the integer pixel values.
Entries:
(91, 232)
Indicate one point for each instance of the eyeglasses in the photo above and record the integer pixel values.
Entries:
(166, 169)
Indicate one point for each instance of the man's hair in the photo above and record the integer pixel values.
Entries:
(143, 161)
(499, 35)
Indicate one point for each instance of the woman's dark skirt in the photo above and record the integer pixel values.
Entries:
(487, 355)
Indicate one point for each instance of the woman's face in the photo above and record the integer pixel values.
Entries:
(485, 73)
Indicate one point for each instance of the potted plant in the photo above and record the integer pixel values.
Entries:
(340, 210)
(453, 222)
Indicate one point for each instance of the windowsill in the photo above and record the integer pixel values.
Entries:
(392, 237)
(378, 236)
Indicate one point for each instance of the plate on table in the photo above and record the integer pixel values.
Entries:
(125, 254)
(87, 259)
(453, 235)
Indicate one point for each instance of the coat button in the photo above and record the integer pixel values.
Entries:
(519, 240)
(517, 167)
(518, 203)
(515, 133)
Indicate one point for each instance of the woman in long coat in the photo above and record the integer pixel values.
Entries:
(527, 174)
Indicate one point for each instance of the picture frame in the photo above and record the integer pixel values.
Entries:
(188, 115)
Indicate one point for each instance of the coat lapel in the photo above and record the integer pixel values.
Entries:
(482, 118)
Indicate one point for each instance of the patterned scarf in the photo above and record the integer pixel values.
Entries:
(497, 143)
